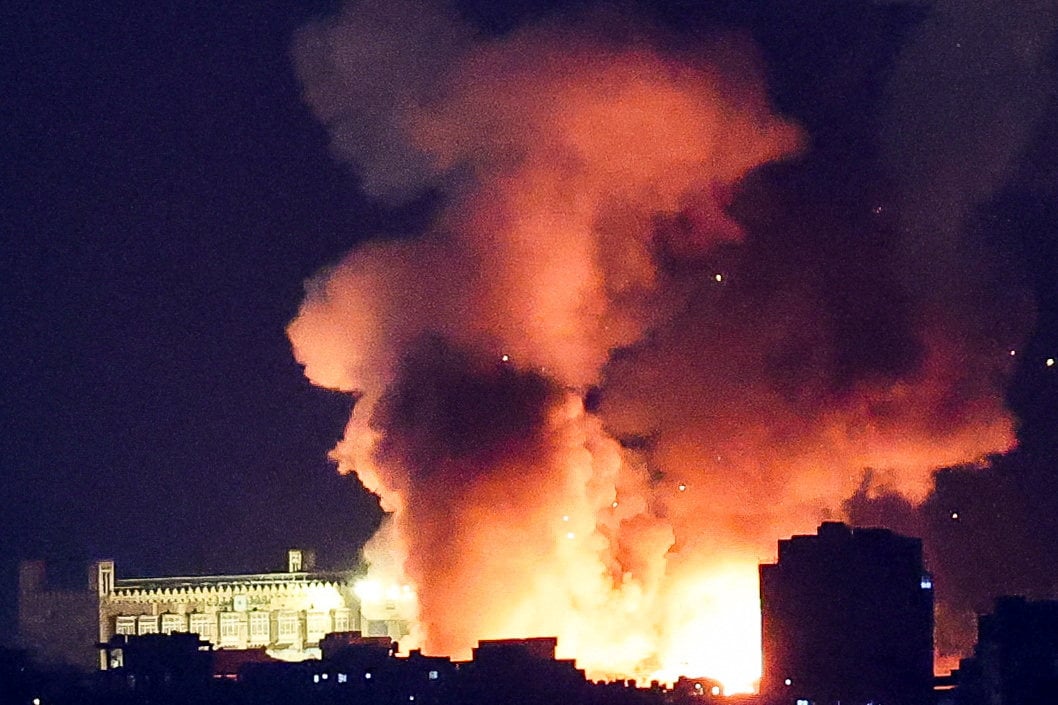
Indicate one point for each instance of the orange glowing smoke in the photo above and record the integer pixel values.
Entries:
(587, 186)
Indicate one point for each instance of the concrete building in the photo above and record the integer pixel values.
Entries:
(1015, 661)
(286, 613)
(847, 617)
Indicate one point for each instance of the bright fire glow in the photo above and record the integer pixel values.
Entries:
(721, 637)
(589, 181)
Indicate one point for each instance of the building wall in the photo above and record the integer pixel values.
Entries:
(57, 627)
(847, 616)
(287, 613)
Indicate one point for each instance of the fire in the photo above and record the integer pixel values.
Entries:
(576, 431)
(720, 638)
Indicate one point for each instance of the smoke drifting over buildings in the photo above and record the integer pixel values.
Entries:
(654, 325)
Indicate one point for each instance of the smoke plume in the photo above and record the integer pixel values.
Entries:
(626, 356)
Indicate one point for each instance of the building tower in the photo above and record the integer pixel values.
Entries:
(847, 616)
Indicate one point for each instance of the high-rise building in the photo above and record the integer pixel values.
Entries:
(847, 617)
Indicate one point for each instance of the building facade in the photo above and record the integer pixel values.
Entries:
(1015, 661)
(286, 613)
(847, 617)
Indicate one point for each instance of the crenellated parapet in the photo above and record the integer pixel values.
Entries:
(288, 613)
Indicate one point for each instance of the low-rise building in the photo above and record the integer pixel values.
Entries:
(286, 613)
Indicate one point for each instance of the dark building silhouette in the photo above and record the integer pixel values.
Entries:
(1015, 661)
(158, 664)
(520, 672)
(847, 616)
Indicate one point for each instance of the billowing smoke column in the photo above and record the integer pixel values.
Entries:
(588, 401)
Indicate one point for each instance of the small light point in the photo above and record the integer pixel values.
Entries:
(718, 277)
(505, 357)
(1050, 362)
(682, 487)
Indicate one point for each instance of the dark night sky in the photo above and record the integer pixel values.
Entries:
(166, 193)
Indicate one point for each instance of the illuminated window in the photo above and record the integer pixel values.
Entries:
(317, 625)
(260, 628)
(927, 582)
(342, 620)
(229, 628)
(125, 625)
(432, 675)
(147, 624)
(288, 627)
(204, 625)
(173, 623)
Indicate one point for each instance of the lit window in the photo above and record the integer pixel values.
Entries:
(260, 628)
(343, 678)
(173, 623)
(125, 625)
(147, 624)
(341, 620)
(204, 624)
(926, 583)
(432, 675)
(288, 627)
(229, 628)
(317, 624)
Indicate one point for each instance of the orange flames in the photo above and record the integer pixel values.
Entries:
(576, 257)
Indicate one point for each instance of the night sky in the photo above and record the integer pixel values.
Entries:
(166, 193)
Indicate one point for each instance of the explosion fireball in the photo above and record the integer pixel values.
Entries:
(588, 404)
